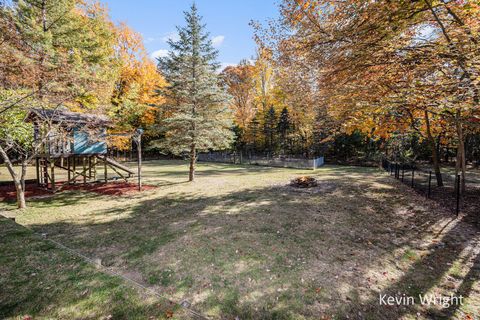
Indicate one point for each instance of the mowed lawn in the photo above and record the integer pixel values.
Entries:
(239, 242)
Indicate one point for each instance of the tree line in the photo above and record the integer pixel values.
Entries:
(400, 76)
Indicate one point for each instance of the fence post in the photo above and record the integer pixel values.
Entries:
(457, 182)
(413, 175)
(429, 183)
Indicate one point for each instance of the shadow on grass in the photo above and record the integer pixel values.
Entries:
(424, 275)
(41, 280)
(471, 279)
(274, 252)
(61, 199)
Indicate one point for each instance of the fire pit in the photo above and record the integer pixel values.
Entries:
(304, 182)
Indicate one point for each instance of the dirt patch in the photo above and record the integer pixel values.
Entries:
(321, 187)
(7, 192)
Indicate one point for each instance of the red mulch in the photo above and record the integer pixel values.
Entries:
(7, 192)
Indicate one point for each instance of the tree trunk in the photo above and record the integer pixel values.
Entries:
(460, 165)
(193, 159)
(433, 146)
(21, 204)
(19, 182)
(24, 173)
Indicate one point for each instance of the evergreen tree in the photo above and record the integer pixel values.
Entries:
(239, 143)
(284, 126)
(69, 56)
(198, 116)
(254, 129)
(269, 128)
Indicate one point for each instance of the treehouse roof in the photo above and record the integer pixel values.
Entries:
(67, 118)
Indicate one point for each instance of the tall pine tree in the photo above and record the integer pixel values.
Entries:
(284, 127)
(269, 127)
(198, 115)
(66, 51)
(254, 128)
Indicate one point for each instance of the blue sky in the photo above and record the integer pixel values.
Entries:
(227, 21)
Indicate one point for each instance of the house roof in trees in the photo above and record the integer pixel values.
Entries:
(65, 117)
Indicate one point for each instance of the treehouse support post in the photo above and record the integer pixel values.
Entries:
(137, 137)
(37, 170)
(45, 172)
(94, 168)
(69, 174)
(74, 160)
(84, 170)
(52, 174)
(89, 167)
(105, 168)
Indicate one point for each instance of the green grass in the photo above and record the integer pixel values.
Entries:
(240, 242)
(43, 281)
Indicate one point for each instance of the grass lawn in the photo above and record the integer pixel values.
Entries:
(239, 242)
(39, 280)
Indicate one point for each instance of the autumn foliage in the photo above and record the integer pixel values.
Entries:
(385, 69)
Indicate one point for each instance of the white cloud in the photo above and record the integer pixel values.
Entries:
(223, 65)
(149, 39)
(218, 40)
(171, 36)
(159, 54)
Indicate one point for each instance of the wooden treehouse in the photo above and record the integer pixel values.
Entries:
(74, 145)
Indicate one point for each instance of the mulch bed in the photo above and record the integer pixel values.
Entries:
(7, 192)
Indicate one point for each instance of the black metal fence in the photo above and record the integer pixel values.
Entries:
(423, 180)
